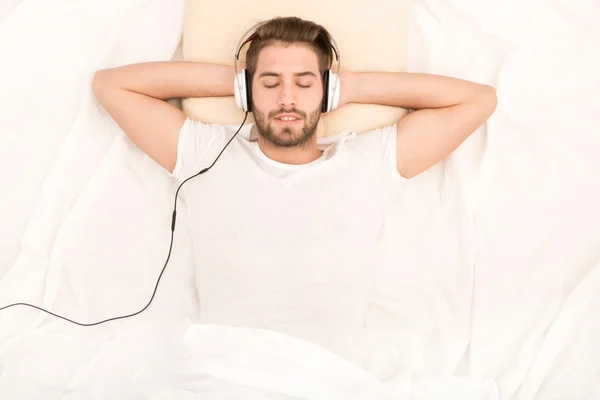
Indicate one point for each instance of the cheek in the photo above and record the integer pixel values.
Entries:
(263, 98)
(313, 99)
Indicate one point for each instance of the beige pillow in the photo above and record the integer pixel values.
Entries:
(371, 35)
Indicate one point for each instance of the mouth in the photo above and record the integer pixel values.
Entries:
(287, 120)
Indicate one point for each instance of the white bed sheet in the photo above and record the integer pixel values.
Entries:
(492, 280)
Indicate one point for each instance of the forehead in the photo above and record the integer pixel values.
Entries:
(287, 57)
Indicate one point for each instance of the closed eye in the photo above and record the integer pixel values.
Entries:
(272, 86)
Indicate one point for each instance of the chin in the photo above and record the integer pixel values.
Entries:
(287, 135)
(287, 131)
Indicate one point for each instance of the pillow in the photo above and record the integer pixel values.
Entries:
(373, 37)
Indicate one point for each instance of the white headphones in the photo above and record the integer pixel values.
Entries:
(243, 87)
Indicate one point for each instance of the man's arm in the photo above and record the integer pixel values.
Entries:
(135, 96)
(449, 110)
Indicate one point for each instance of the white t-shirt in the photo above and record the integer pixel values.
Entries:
(292, 248)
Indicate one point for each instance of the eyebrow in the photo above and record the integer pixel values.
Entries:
(305, 73)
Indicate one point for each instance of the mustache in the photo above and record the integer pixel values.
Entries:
(272, 114)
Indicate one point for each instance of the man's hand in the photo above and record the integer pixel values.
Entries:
(345, 80)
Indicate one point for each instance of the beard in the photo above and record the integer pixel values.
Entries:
(287, 137)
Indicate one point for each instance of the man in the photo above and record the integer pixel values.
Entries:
(285, 229)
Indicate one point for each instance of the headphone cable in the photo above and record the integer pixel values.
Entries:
(174, 218)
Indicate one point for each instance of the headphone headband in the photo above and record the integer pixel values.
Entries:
(251, 34)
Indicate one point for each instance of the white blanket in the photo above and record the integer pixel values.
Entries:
(492, 280)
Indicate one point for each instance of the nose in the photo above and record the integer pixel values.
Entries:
(287, 95)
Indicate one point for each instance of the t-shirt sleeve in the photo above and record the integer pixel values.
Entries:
(379, 145)
(193, 141)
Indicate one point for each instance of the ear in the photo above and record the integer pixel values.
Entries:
(249, 104)
(325, 99)
(331, 90)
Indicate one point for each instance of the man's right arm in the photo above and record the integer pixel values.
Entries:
(135, 96)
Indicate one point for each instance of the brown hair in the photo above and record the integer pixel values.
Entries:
(290, 30)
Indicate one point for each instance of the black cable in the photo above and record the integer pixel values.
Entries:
(166, 262)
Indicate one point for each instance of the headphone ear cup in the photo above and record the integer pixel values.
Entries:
(248, 90)
(325, 103)
(239, 90)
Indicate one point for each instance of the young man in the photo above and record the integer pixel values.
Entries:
(285, 229)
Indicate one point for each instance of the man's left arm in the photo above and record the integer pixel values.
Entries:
(448, 111)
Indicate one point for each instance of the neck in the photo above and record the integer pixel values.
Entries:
(304, 154)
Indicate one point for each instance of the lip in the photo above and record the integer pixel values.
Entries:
(298, 119)
(287, 115)
(287, 122)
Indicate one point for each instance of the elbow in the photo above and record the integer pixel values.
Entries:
(98, 81)
(103, 81)
(488, 98)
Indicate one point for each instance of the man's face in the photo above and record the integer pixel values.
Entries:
(286, 86)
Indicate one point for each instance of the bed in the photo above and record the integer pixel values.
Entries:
(491, 285)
